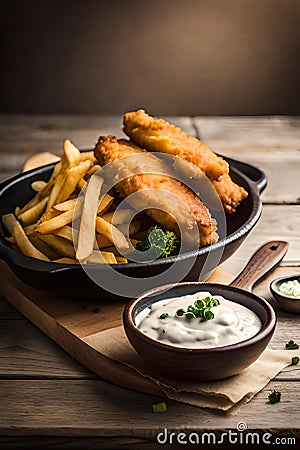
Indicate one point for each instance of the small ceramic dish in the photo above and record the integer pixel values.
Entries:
(287, 302)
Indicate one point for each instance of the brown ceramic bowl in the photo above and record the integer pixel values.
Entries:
(199, 364)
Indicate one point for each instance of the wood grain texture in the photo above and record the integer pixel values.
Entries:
(270, 143)
(277, 222)
(46, 392)
(126, 413)
(25, 352)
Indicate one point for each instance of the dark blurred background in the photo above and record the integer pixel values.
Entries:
(193, 57)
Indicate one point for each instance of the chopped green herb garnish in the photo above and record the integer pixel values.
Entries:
(291, 345)
(295, 360)
(161, 243)
(159, 407)
(164, 316)
(189, 315)
(274, 397)
(201, 309)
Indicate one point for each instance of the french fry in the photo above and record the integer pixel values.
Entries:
(92, 170)
(72, 177)
(49, 215)
(121, 260)
(31, 229)
(45, 191)
(30, 204)
(8, 221)
(66, 261)
(118, 217)
(70, 156)
(38, 185)
(44, 227)
(81, 184)
(24, 244)
(111, 249)
(68, 233)
(88, 155)
(86, 236)
(33, 214)
(57, 186)
(105, 203)
(43, 247)
(98, 257)
(102, 241)
(59, 245)
(134, 227)
(112, 233)
(68, 204)
(58, 221)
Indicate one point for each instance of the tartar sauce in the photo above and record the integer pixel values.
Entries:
(232, 323)
(290, 288)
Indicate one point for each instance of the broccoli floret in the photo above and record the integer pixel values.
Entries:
(162, 243)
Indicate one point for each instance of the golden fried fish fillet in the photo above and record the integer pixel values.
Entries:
(157, 135)
(145, 173)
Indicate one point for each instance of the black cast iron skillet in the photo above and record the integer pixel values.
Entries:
(71, 280)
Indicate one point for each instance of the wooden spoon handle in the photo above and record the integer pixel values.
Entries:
(265, 259)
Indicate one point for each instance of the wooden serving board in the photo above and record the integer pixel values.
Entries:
(76, 324)
(72, 324)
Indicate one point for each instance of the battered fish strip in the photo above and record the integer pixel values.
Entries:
(157, 135)
(141, 172)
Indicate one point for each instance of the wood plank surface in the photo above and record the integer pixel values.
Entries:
(25, 352)
(121, 408)
(270, 143)
(48, 399)
(277, 222)
(22, 136)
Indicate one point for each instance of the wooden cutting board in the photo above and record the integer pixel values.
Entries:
(72, 322)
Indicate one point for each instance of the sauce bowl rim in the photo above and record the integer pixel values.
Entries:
(267, 327)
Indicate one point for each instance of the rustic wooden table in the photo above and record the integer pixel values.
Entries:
(48, 399)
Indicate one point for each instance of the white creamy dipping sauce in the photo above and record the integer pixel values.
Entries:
(231, 323)
(290, 288)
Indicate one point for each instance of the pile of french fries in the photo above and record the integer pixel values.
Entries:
(68, 220)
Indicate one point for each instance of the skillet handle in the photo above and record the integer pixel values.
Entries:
(266, 257)
(255, 174)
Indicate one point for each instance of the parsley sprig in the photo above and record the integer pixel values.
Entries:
(274, 397)
(291, 345)
(200, 309)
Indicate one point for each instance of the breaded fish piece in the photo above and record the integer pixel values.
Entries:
(142, 173)
(230, 193)
(157, 135)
